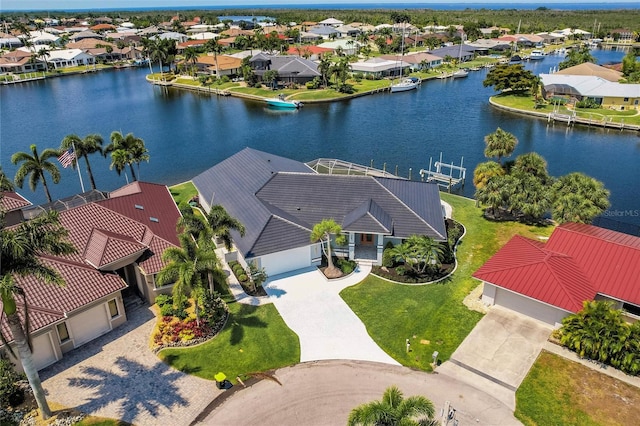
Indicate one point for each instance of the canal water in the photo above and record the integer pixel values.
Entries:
(187, 133)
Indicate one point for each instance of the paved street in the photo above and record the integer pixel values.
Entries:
(323, 393)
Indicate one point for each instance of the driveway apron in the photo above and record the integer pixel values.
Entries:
(328, 329)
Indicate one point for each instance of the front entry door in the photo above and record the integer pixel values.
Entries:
(366, 239)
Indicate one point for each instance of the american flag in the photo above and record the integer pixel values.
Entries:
(67, 158)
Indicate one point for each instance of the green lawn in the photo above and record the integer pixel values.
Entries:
(561, 392)
(525, 103)
(254, 339)
(183, 192)
(434, 314)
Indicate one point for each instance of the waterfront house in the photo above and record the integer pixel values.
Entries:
(85, 34)
(119, 239)
(417, 61)
(9, 41)
(379, 67)
(291, 69)
(326, 32)
(279, 200)
(467, 54)
(331, 22)
(310, 52)
(228, 65)
(591, 69)
(20, 61)
(548, 281)
(69, 58)
(605, 93)
(43, 37)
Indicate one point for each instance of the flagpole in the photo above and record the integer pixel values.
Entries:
(75, 154)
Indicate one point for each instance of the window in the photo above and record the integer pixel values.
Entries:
(63, 333)
(113, 308)
(626, 99)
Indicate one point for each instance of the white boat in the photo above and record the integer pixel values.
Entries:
(405, 85)
(461, 73)
(537, 55)
(281, 102)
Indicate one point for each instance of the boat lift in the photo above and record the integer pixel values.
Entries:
(439, 173)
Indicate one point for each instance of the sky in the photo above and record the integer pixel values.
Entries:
(101, 4)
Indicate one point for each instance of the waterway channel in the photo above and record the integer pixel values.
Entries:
(187, 132)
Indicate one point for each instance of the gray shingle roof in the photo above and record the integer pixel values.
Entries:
(279, 200)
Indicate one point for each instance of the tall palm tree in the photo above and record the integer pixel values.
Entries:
(394, 410)
(216, 48)
(222, 223)
(83, 147)
(5, 182)
(324, 67)
(191, 56)
(44, 54)
(20, 251)
(35, 165)
(126, 150)
(533, 164)
(499, 144)
(186, 266)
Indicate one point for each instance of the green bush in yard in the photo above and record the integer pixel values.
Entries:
(10, 393)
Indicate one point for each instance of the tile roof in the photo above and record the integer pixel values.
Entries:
(578, 262)
(50, 303)
(105, 248)
(12, 201)
(276, 196)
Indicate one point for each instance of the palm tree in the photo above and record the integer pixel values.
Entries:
(394, 410)
(20, 251)
(83, 147)
(532, 163)
(35, 165)
(191, 55)
(485, 171)
(222, 223)
(577, 197)
(5, 182)
(324, 67)
(186, 266)
(322, 232)
(216, 48)
(44, 54)
(492, 193)
(126, 150)
(499, 144)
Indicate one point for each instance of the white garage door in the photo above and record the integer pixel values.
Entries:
(528, 307)
(43, 352)
(286, 261)
(89, 324)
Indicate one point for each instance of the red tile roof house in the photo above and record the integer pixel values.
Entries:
(119, 239)
(548, 281)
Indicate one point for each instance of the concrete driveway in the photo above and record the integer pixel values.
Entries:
(498, 353)
(117, 376)
(323, 393)
(312, 307)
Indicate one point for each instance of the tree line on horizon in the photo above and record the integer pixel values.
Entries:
(529, 21)
(34, 166)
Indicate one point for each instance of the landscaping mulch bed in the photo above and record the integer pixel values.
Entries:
(260, 291)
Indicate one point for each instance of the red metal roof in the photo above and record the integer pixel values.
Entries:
(526, 267)
(578, 262)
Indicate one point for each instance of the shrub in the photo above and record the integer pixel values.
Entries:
(401, 270)
(10, 392)
(243, 277)
(346, 266)
(213, 307)
(587, 103)
(358, 77)
(346, 88)
(387, 258)
(224, 79)
(314, 84)
(163, 299)
(257, 85)
(166, 310)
